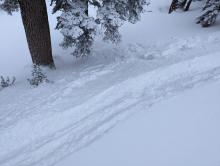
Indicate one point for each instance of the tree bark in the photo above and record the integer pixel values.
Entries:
(188, 5)
(173, 6)
(36, 25)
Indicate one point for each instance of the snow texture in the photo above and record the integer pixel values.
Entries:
(89, 97)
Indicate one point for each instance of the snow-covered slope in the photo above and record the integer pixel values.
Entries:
(40, 126)
(183, 130)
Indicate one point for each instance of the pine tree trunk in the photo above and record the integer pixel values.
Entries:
(184, 3)
(173, 6)
(36, 25)
(188, 5)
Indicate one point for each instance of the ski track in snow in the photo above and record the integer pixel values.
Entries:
(43, 125)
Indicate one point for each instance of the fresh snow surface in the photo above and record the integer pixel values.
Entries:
(161, 57)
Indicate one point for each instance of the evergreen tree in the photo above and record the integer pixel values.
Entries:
(38, 77)
(6, 82)
(210, 10)
(180, 4)
(210, 13)
(79, 28)
(35, 21)
(9, 6)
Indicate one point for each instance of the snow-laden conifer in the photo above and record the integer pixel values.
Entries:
(210, 13)
(9, 5)
(79, 28)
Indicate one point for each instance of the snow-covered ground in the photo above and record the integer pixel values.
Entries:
(161, 57)
(183, 130)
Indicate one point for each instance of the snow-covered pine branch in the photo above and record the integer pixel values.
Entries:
(210, 13)
(79, 28)
(9, 5)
